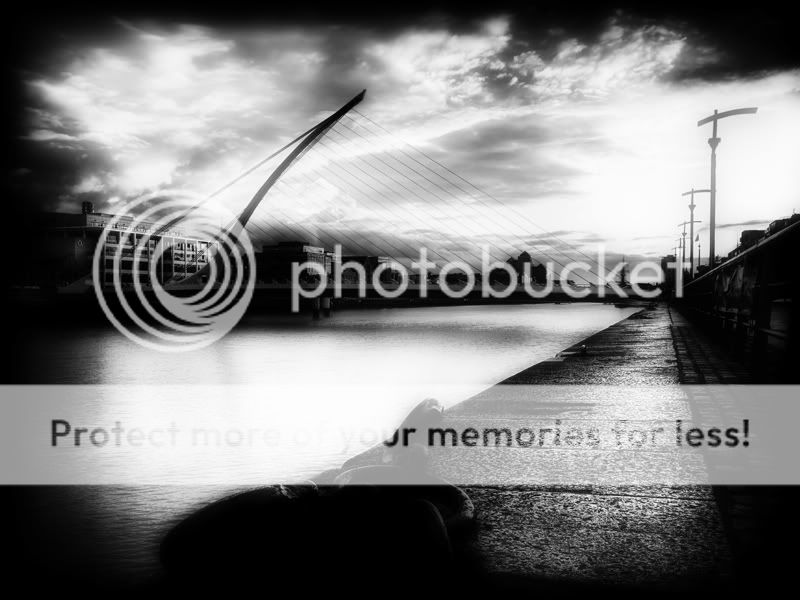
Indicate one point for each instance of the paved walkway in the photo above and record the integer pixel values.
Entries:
(651, 536)
(699, 359)
(759, 520)
(657, 538)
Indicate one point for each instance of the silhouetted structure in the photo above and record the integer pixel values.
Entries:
(538, 271)
(752, 300)
(274, 263)
(668, 273)
(64, 245)
(370, 264)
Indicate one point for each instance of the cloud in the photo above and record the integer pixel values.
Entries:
(621, 59)
(557, 129)
(162, 101)
(165, 103)
(45, 135)
(751, 223)
(437, 69)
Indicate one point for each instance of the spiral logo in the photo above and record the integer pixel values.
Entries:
(172, 274)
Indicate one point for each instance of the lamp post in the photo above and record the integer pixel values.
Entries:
(692, 205)
(679, 265)
(714, 141)
(683, 242)
(674, 251)
(697, 239)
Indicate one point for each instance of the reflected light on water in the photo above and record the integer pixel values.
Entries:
(407, 354)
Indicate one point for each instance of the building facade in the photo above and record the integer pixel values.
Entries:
(67, 242)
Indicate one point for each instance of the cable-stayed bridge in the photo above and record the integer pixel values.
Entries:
(350, 182)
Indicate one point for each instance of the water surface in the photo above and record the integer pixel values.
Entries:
(403, 352)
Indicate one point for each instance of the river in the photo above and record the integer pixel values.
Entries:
(114, 530)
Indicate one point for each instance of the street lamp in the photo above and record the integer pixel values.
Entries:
(697, 239)
(691, 193)
(683, 242)
(678, 265)
(714, 141)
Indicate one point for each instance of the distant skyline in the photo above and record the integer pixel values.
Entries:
(586, 128)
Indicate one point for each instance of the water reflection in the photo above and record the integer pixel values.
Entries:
(435, 344)
(469, 346)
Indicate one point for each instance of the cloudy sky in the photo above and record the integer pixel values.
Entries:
(574, 129)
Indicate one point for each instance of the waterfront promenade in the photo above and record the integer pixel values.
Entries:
(656, 537)
(660, 538)
(633, 535)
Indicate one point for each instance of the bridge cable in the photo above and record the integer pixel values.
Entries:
(450, 194)
(469, 183)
